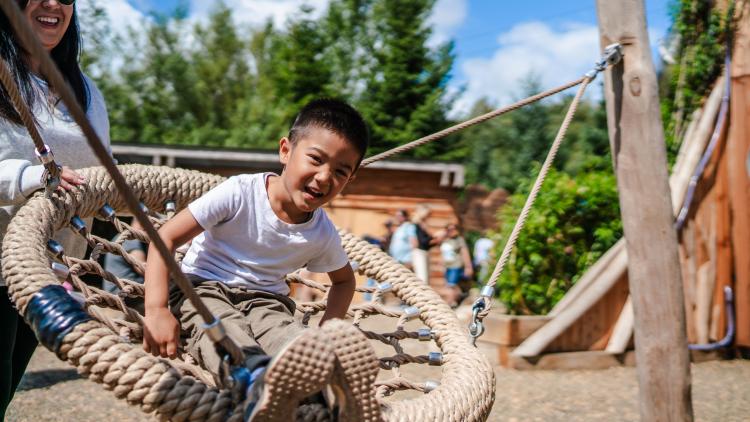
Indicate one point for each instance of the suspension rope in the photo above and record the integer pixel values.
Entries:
(51, 175)
(481, 308)
(471, 122)
(31, 44)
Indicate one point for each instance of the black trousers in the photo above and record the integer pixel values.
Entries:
(17, 344)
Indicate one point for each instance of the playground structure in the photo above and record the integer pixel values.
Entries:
(651, 247)
(592, 326)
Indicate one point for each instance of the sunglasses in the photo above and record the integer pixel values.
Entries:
(63, 2)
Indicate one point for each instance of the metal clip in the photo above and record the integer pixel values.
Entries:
(435, 358)
(170, 206)
(55, 248)
(46, 156)
(430, 385)
(476, 328)
(215, 330)
(61, 271)
(411, 312)
(424, 334)
(385, 287)
(106, 212)
(612, 55)
(78, 225)
(143, 207)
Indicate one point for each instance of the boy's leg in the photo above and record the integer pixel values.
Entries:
(217, 299)
(272, 318)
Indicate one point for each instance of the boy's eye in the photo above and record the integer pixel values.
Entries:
(315, 158)
(342, 173)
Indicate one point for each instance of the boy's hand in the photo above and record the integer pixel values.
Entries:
(160, 333)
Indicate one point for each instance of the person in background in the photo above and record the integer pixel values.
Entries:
(482, 250)
(457, 263)
(55, 24)
(404, 239)
(420, 254)
(119, 267)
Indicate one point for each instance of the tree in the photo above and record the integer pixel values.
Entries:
(405, 95)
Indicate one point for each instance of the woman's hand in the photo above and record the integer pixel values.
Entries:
(69, 178)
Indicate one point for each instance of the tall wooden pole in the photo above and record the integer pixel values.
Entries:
(639, 154)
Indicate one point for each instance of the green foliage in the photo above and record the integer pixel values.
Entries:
(573, 222)
(500, 152)
(702, 31)
(219, 84)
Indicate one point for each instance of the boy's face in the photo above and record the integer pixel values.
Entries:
(317, 167)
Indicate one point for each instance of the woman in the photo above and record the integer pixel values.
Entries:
(55, 24)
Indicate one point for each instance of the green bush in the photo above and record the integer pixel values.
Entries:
(572, 223)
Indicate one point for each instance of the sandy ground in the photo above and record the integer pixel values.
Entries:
(53, 391)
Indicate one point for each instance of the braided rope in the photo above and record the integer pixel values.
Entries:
(471, 122)
(107, 350)
(511, 242)
(26, 117)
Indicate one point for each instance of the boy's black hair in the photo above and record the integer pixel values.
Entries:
(336, 116)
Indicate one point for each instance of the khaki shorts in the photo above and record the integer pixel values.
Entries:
(257, 321)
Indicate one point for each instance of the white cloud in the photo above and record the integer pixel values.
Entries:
(257, 11)
(446, 18)
(555, 56)
(121, 14)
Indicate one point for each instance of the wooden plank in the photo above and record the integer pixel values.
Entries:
(723, 247)
(623, 331)
(639, 154)
(570, 360)
(589, 277)
(703, 298)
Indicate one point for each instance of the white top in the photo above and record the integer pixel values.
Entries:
(21, 172)
(246, 244)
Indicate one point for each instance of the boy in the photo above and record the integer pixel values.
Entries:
(248, 234)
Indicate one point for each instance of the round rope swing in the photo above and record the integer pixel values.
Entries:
(100, 333)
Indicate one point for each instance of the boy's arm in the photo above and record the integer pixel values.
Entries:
(161, 329)
(341, 293)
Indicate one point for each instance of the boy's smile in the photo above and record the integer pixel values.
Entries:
(316, 168)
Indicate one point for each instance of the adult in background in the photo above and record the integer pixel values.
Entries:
(404, 239)
(55, 24)
(457, 263)
(420, 254)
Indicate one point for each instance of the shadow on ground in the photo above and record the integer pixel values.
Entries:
(46, 378)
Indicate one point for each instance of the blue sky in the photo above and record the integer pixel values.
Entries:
(498, 42)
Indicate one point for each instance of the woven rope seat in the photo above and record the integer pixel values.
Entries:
(107, 349)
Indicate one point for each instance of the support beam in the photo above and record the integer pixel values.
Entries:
(637, 141)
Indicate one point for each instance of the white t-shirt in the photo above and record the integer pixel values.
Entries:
(246, 244)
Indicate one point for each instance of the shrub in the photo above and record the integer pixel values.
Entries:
(572, 223)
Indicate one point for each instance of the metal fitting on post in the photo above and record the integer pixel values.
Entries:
(612, 55)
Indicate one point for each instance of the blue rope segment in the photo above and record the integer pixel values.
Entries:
(52, 314)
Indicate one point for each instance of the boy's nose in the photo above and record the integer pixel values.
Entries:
(323, 177)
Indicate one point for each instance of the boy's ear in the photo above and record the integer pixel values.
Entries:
(285, 149)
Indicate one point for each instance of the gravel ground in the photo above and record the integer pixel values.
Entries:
(53, 391)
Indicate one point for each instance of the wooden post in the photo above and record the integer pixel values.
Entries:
(637, 141)
(738, 147)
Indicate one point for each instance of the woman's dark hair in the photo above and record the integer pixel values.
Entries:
(65, 55)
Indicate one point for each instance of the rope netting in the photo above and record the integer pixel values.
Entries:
(108, 350)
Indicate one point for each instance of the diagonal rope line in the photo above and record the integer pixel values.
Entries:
(26, 117)
(476, 120)
(31, 44)
(535, 190)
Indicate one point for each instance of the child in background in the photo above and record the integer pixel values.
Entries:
(457, 263)
(250, 232)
